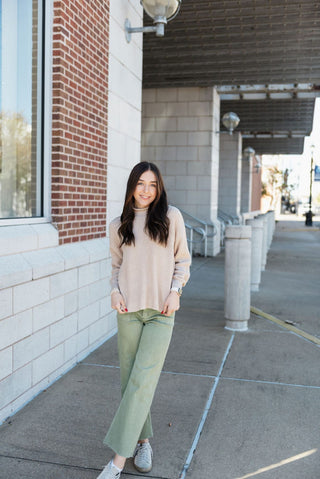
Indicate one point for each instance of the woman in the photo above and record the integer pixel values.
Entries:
(150, 265)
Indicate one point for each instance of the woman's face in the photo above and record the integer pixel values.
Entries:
(146, 190)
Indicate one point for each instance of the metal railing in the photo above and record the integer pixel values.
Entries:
(226, 219)
(190, 236)
(202, 228)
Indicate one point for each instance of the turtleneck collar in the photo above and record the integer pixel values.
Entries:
(140, 211)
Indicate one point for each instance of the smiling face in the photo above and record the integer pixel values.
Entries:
(146, 190)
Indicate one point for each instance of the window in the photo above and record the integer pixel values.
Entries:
(21, 69)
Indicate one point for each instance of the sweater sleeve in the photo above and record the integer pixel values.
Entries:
(116, 254)
(182, 256)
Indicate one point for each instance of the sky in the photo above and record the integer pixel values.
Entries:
(300, 165)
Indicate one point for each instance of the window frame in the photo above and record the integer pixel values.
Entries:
(45, 112)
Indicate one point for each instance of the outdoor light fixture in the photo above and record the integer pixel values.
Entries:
(161, 12)
(230, 121)
(258, 165)
(248, 153)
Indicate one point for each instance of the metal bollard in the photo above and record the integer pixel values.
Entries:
(237, 277)
(256, 251)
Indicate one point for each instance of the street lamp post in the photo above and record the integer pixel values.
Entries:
(309, 214)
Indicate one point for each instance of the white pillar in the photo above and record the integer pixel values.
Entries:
(256, 251)
(246, 185)
(230, 173)
(264, 250)
(271, 223)
(124, 102)
(237, 277)
(179, 128)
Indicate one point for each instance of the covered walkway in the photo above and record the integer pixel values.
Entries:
(228, 406)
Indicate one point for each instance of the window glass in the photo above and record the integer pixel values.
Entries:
(20, 108)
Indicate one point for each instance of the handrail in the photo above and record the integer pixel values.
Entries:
(202, 222)
(202, 231)
(235, 220)
(222, 230)
(197, 230)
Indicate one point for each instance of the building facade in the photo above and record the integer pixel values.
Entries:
(70, 132)
(74, 121)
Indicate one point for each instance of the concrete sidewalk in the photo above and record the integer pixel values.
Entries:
(228, 405)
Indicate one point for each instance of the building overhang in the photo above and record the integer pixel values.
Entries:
(265, 52)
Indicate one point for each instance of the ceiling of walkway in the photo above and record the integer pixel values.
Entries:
(238, 44)
(273, 126)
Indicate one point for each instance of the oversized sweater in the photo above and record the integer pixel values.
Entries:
(146, 271)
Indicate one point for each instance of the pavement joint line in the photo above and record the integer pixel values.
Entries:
(205, 412)
(272, 331)
(142, 475)
(163, 372)
(41, 461)
(72, 466)
(191, 374)
(282, 323)
(209, 376)
(100, 365)
(275, 383)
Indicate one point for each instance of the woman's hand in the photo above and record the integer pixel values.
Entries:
(117, 302)
(172, 304)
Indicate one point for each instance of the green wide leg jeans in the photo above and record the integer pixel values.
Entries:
(143, 341)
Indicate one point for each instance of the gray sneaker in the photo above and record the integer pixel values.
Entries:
(142, 457)
(109, 472)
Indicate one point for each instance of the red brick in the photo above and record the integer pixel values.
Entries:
(80, 118)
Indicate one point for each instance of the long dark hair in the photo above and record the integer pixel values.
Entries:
(157, 222)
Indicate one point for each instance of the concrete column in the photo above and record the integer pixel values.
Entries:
(246, 186)
(256, 251)
(124, 103)
(271, 224)
(237, 277)
(273, 214)
(264, 250)
(230, 173)
(179, 128)
(256, 187)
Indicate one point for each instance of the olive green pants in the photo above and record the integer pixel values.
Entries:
(143, 342)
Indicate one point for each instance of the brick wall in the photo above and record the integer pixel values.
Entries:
(80, 118)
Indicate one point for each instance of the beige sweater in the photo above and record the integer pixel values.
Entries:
(145, 272)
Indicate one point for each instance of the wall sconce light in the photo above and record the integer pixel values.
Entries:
(258, 165)
(230, 121)
(248, 153)
(161, 12)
